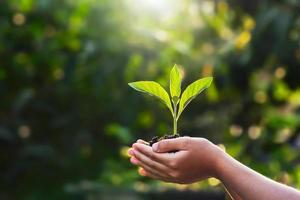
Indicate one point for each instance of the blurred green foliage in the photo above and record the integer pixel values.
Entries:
(67, 114)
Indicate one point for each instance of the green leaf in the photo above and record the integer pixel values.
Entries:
(192, 91)
(175, 83)
(154, 89)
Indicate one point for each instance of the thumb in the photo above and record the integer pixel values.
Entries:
(168, 145)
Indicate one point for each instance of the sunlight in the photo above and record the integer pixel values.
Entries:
(160, 8)
(155, 5)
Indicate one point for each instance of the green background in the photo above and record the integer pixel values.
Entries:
(67, 115)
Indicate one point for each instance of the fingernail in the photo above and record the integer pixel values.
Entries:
(155, 147)
(133, 160)
(131, 152)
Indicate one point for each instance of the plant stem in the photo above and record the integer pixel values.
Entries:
(175, 127)
(175, 119)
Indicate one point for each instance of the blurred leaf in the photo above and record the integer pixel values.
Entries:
(281, 91)
(119, 132)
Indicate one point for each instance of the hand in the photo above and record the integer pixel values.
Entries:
(194, 160)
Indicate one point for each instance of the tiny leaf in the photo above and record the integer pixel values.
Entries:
(154, 89)
(175, 83)
(192, 91)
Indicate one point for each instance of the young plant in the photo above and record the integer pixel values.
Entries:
(178, 101)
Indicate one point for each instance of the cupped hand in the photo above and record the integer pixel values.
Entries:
(181, 160)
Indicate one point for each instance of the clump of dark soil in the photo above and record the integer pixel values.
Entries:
(157, 139)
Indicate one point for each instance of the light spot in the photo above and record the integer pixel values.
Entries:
(124, 151)
(284, 178)
(21, 58)
(195, 186)
(86, 185)
(24, 131)
(280, 72)
(248, 23)
(222, 6)
(207, 70)
(182, 72)
(19, 19)
(145, 119)
(164, 9)
(260, 97)
(242, 40)
(141, 187)
(213, 181)
(283, 135)
(226, 33)
(235, 130)
(254, 132)
(116, 179)
(181, 187)
(294, 98)
(222, 146)
(58, 74)
(161, 35)
(207, 7)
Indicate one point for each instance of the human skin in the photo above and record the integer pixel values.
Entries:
(197, 159)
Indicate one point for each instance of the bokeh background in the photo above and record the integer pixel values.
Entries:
(67, 115)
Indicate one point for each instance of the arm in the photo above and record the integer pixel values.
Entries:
(197, 159)
(250, 184)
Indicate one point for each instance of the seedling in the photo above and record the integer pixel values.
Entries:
(178, 102)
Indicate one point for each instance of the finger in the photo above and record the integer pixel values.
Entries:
(150, 175)
(144, 172)
(142, 142)
(149, 169)
(163, 158)
(150, 163)
(168, 145)
(130, 152)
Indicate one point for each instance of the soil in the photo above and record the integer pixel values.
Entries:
(157, 139)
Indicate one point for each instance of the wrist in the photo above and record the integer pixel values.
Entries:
(220, 162)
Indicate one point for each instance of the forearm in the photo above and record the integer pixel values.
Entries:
(249, 184)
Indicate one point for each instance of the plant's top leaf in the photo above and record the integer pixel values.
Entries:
(192, 91)
(154, 89)
(175, 83)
